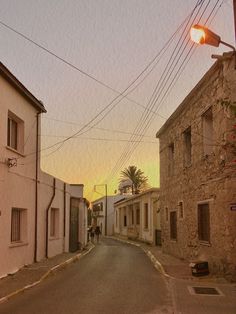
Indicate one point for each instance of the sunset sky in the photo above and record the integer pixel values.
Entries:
(92, 50)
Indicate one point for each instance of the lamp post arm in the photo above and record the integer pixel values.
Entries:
(228, 45)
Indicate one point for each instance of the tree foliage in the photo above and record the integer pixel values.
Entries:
(135, 178)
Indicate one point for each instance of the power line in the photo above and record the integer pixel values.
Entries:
(96, 128)
(128, 150)
(170, 86)
(83, 72)
(98, 139)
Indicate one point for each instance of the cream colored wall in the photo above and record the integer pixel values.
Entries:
(145, 234)
(17, 184)
(60, 243)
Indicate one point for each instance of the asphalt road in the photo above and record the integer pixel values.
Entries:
(114, 278)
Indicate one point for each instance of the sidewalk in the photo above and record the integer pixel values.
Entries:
(169, 265)
(33, 274)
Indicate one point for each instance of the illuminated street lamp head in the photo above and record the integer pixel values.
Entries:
(202, 35)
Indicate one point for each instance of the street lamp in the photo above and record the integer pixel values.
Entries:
(202, 35)
(105, 185)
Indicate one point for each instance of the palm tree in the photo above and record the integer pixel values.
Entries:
(136, 177)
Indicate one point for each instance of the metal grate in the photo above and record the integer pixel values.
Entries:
(205, 291)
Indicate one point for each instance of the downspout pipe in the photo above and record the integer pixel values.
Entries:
(47, 216)
(36, 188)
(64, 217)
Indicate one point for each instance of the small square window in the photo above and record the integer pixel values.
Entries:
(167, 213)
(187, 137)
(125, 221)
(54, 222)
(208, 132)
(204, 222)
(146, 215)
(173, 225)
(137, 216)
(171, 154)
(181, 210)
(15, 132)
(18, 225)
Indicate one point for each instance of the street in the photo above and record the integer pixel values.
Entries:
(113, 278)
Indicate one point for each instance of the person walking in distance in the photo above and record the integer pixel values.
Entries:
(91, 231)
(97, 233)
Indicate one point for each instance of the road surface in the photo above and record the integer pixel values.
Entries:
(114, 278)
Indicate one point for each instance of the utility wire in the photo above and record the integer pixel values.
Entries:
(99, 139)
(96, 128)
(151, 103)
(79, 132)
(136, 144)
(90, 76)
(127, 155)
(83, 72)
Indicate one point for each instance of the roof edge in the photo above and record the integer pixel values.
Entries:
(182, 105)
(21, 88)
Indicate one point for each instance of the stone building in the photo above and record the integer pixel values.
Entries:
(198, 172)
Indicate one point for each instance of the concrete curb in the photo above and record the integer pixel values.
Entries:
(54, 269)
(153, 259)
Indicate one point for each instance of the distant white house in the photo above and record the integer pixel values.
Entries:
(138, 217)
(103, 213)
(40, 216)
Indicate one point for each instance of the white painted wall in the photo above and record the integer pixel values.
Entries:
(18, 189)
(111, 199)
(17, 184)
(149, 197)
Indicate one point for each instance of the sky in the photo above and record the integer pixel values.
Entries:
(90, 63)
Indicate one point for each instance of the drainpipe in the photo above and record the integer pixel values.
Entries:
(36, 189)
(64, 217)
(47, 215)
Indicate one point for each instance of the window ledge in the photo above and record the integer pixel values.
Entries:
(54, 238)
(18, 244)
(15, 151)
(173, 240)
(205, 243)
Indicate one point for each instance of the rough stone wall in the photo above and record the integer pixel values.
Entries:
(210, 178)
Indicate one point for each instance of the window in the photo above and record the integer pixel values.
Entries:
(125, 221)
(173, 225)
(137, 216)
(181, 210)
(204, 222)
(146, 215)
(15, 132)
(187, 149)
(167, 213)
(131, 214)
(18, 225)
(116, 218)
(207, 124)
(12, 133)
(171, 159)
(54, 222)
